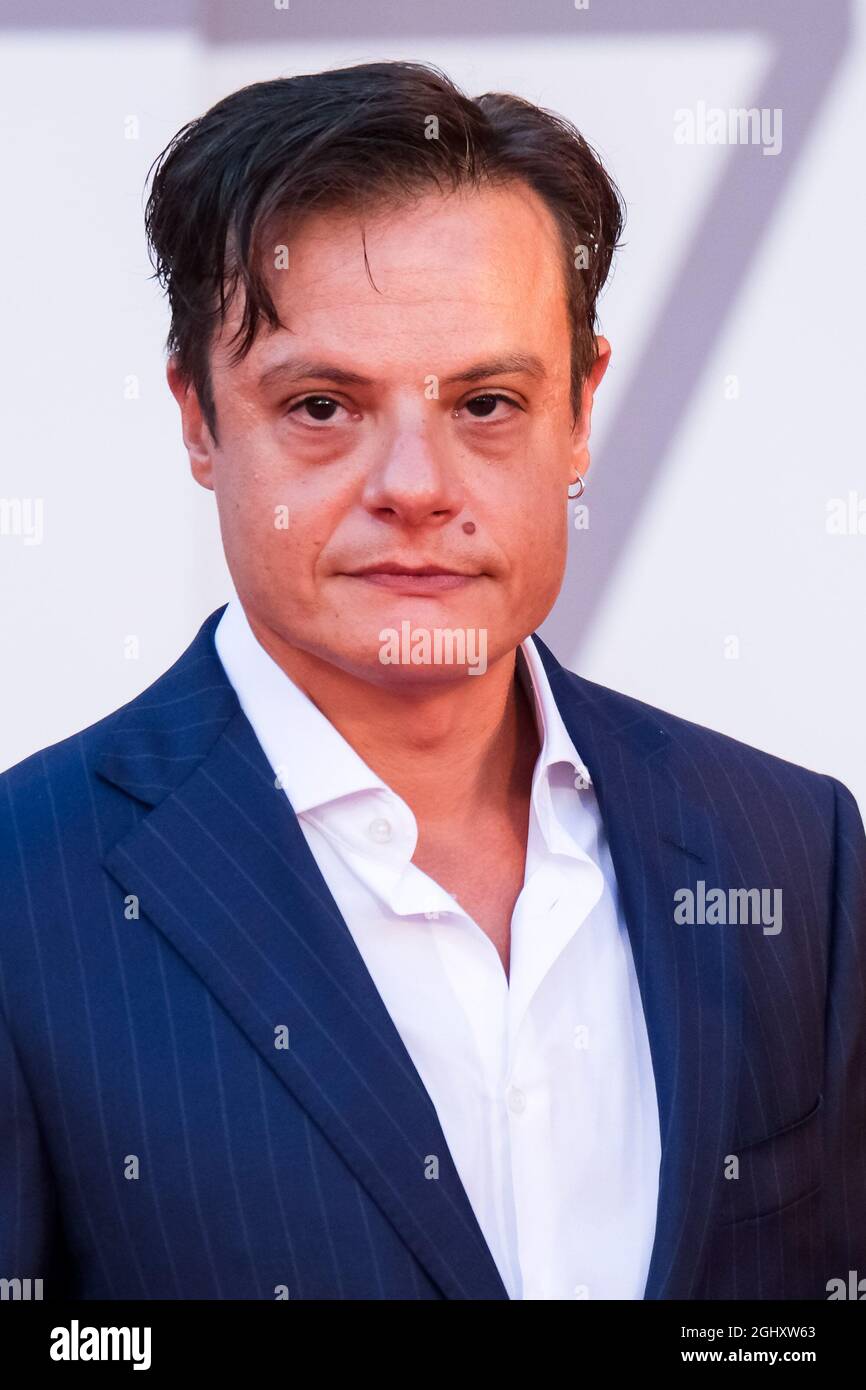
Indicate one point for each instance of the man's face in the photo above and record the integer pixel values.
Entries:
(419, 421)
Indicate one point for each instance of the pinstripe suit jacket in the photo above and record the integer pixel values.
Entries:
(164, 930)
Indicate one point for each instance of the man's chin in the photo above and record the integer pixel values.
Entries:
(408, 654)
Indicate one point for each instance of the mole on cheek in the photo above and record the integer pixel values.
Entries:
(469, 528)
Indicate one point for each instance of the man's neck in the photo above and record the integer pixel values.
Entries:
(452, 751)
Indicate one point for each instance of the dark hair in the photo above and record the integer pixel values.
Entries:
(355, 137)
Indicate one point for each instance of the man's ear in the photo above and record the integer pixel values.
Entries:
(196, 435)
(580, 434)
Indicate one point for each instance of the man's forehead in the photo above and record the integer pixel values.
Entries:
(469, 212)
(451, 264)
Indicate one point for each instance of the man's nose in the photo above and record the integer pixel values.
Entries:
(415, 478)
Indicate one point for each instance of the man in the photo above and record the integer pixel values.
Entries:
(370, 953)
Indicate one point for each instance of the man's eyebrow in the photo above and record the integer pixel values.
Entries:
(300, 369)
(500, 366)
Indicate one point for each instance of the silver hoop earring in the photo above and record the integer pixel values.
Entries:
(573, 496)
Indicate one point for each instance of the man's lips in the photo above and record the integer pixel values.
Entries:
(412, 579)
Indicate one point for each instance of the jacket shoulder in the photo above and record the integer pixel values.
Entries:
(59, 774)
(716, 753)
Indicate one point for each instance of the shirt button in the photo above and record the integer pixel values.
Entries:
(380, 831)
(516, 1100)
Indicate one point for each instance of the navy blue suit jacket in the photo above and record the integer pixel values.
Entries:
(163, 922)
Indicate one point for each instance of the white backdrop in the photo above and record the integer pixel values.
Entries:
(731, 416)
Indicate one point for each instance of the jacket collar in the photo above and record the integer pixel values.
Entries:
(221, 867)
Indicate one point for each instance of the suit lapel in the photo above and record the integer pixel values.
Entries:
(662, 838)
(221, 867)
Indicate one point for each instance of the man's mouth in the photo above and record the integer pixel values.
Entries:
(413, 579)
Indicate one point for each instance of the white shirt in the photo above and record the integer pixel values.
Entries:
(543, 1085)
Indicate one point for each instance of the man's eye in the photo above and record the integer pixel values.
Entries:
(318, 408)
(480, 407)
(321, 410)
